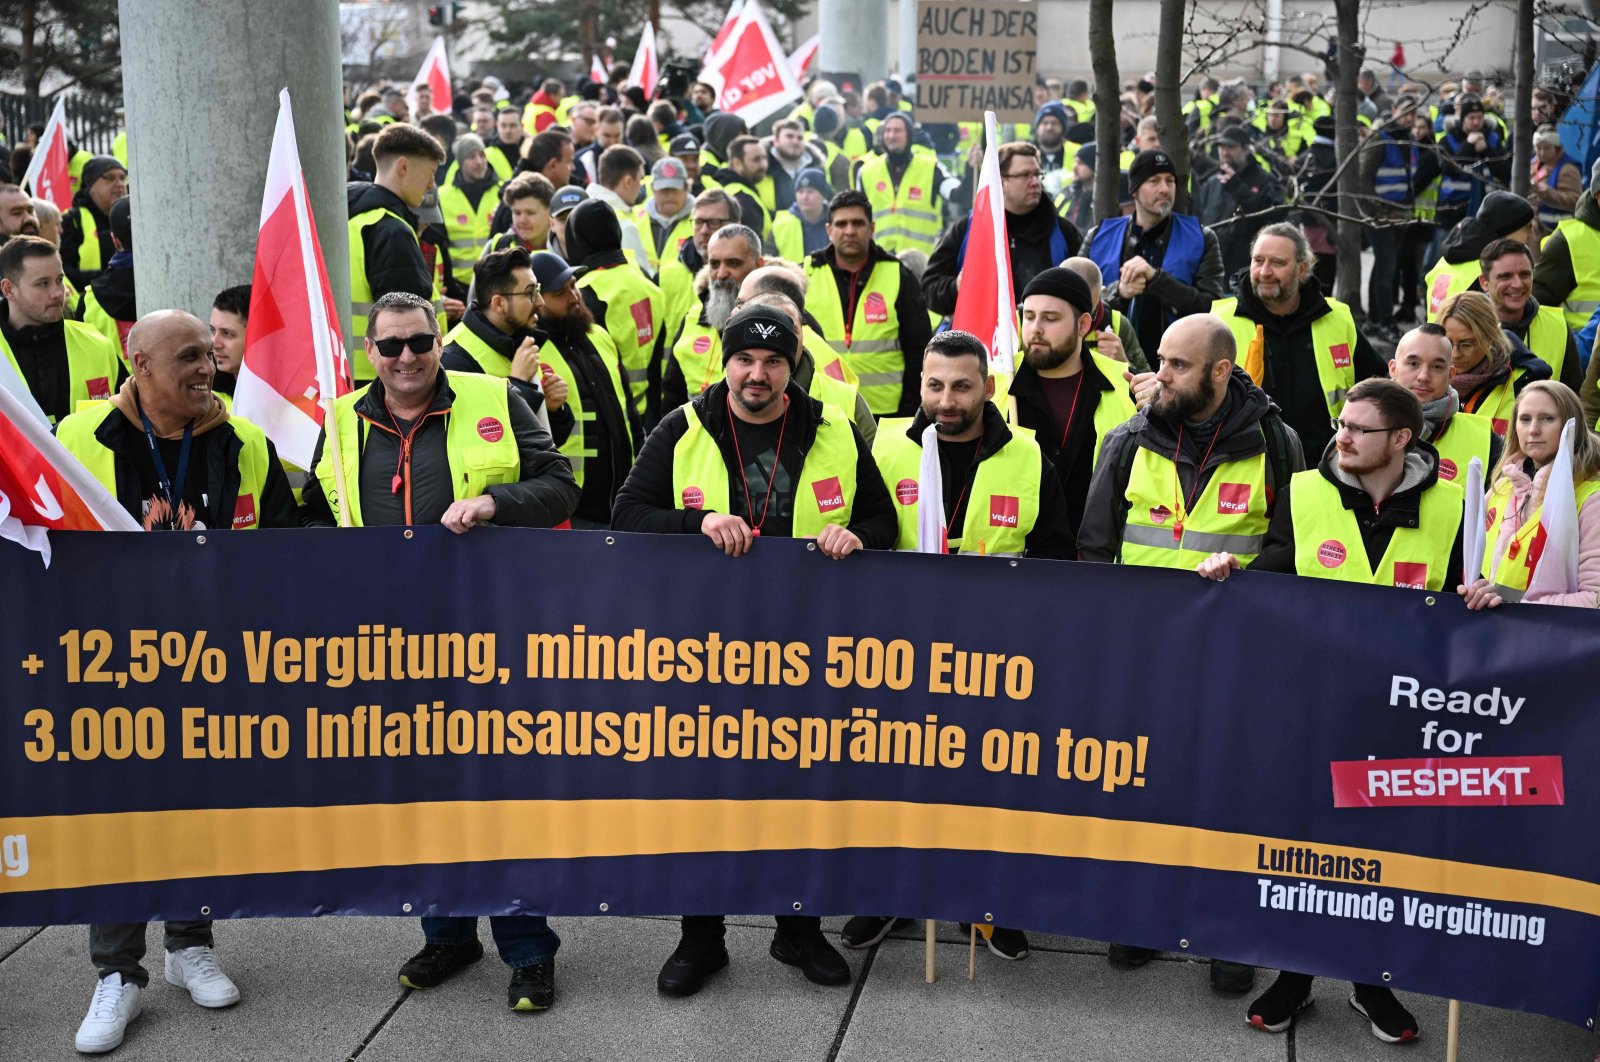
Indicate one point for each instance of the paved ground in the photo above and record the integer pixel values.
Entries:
(325, 990)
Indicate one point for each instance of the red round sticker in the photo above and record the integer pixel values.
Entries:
(1159, 514)
(490, 429)
(1330, 554)
(693, 498)
(702, 344)
(462, 219)
(1447, 468)
(905, 492)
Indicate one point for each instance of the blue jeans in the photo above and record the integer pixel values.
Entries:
(523, 940)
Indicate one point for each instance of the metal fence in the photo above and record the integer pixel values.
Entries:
(92, 120)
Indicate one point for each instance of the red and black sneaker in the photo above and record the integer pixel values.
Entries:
(1275, 1009)
(1391, 1022)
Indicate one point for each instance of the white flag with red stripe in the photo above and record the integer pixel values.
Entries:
(714, 50)
(752, 71)
(43, 487)
(801, 58)
(597, 70)
(984, 304)
(49, 176)
(435, 73)
(646, 69)
(294, 359)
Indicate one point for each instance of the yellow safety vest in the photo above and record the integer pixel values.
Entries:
(1113, 409)
(76, 433)
(468, 227)
(824, 495)
(677, 293)
(681, 233)
(1547, 338)
(906, 216)
(1327, 538)
(1002, 506)
(1512, 568)
(1583, 244)
(634, 308)
(1333, 338)
(99, 318)
(1230, 516)
(481, 446)
(789, 235)
(1466, 435)
(1446, 279)
(75, 167)
(870, 344)
(90, 260)
(1082, 110)
(92, 364)
(1498, 404)
(531, 113)
(361, 290)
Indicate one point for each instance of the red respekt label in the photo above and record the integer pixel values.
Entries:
(1448, 781)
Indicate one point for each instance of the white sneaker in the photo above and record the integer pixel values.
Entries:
(196, 969)
(114, 1005)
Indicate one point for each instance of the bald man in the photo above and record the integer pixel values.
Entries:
(1110, 334)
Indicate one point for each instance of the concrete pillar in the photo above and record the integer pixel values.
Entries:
(907, 28)
(201, 85)
(855, 37)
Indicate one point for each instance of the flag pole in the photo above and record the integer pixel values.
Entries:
(972, 952)
(927, 951)
(1452, 1036)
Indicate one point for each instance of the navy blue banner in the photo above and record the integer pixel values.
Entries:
(1364, 783)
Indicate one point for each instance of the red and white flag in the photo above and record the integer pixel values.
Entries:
(1556, 570)
(801, 59)
(435, 73)
(294, 359)
(984, 305)
(752, 72)
(48, 176)
(44, 488)
(715, 48)
(646, 69)
(597, 70)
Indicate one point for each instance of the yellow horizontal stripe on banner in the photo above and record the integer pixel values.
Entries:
(78, 851)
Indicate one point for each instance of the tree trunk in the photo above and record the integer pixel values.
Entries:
(1522, 137)
(31, 74)
(1169, 94)
(1107, 109)
(1347, 284)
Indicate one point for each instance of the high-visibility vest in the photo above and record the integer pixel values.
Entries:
(1547, 338)
(1446, 279)
(1583, 245)
(90, 260)
(681, 233)
(789, 235)
(479, 442)
(1465, 436)
(1082, 110)
(92, 364)
(677, 293)
(1498, 403)
(1092, 340)
(1549, 216)
(1512, 568)
(361, 289)
(698, 352)
(119, 148)
(468, 227)
(1393, 178)
(634, 312)
(531, 114)
(75, 166)
(99, 318)
(1455, 189)
(77, 433)
(825, 493)
(906, 216)
(1111, 411)
(856, 142)
(1229, 516)
(1002, 505)
(870, 343)
(1328, 545)
(1333, 340)
(1204, 106)
(831, 392)
(1426, 207)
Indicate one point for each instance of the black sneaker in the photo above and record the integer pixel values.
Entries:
(532, 987)
(1129, 957)
(817, 959)
(1274, 1010)
(1233, 978)
(689, 965)
(437, 963)
(1391, 1022)
(1009, 943)
(863, 931)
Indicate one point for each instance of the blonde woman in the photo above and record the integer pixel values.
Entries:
(1514, 506)
(1488, 366)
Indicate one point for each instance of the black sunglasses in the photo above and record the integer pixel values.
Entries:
(420, 343)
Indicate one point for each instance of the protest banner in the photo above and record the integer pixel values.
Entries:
(975, 56)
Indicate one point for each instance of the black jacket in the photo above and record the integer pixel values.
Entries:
(1165, 292)
(455, 358)
(1051, 537)
(1403, 508)
(648, 504)
(1250, 425)
(1250, 191)
(543, 497)
(909, 310)
(114, 291)
(393, 256)
(617, 429)
(41, 356)
(73, 236)
(1029, 236)
(1072, 458)
(751, 211)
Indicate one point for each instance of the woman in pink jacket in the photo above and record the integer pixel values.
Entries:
(1514, 505)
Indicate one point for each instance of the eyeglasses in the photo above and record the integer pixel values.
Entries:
(711, 223)
(531, 293)
(1026, 175)
(421, 343)
(1339, 425)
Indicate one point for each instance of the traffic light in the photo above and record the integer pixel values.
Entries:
(436, 14)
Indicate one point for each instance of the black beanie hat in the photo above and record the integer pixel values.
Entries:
(761, 328)
(97, 168)
(1062, 284)
(592, 229)
(1504, 212)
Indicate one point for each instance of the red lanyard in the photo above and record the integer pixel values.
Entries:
(965, 483)
(1177, 482)
(1073, 411)
(777, 455)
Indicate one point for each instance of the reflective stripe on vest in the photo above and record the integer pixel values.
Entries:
(634, 306)
(1230, 516)
(77, 433)
(476, 461)
(1186, 244)
(581, 442)
(361, 291)
(1583, 245)
(905, 216)
(468, 227)
(1446, 279)
(1465, 436)
(870, 345)
(824, 494)
(1511, 573)
(1002, 505)
(1328, 545)
(1393, 178)
(1333, 340)
(92, 364)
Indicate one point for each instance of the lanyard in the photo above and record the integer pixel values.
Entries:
(965, 483)
(777, 455)
(1177, 482)
(172, 488)
(1073, 411)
